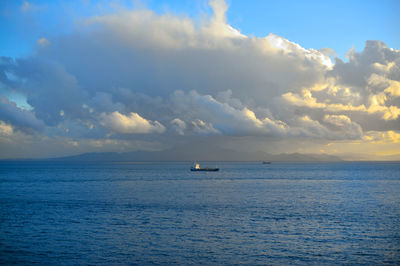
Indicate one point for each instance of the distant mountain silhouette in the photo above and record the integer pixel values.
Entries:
(197, 153)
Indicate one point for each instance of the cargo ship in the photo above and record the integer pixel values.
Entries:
(196, 168)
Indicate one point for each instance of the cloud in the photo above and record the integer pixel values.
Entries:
(207, 114)
(47, 86)
(19, 118)
(217, 25)
(375, 58)
(126, 60)
(306, 99)
(382, 137)
(178, 126)
(30, 7)
(203, 128)
(219, 7)
(131, 124)
(6, 129)
(292, 48)
(369, 83)
(137, 72)
(337, 120)
(43, 42)
(26, 6)
(344, 125)
(23, 145)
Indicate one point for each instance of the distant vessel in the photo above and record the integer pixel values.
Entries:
(265, 162)
(196, 167)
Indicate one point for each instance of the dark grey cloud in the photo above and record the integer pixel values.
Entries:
(21, 119)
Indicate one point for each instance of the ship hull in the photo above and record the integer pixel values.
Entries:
(204, 170)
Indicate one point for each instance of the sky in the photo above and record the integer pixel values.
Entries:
(273, 76)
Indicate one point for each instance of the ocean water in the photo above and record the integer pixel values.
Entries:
(57, 213)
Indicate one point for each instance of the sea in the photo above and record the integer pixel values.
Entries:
(161, 213)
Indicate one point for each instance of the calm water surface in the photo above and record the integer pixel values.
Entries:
(161, 213)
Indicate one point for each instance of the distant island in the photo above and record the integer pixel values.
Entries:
(198, 153)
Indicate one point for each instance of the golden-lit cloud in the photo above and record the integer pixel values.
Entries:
(6, 129)
(382, 137)
(376, 104)
(130, 124)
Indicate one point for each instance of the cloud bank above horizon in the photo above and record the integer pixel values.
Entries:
(138, 80)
